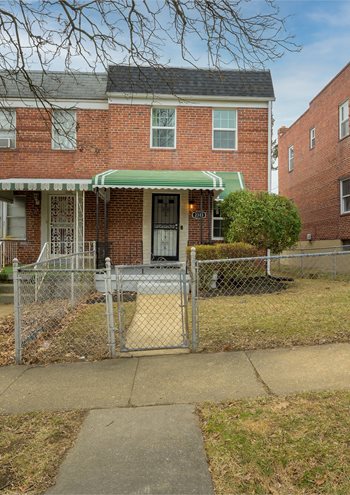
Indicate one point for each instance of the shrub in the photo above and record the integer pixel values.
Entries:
(223, 251)
(265, 220)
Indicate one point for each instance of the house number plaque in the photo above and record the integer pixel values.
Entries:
(198, 215)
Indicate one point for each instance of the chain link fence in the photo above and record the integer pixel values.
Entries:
(152, 306)
(271, 301)
(59, 314)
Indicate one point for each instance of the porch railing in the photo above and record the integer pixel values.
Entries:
(8, 251)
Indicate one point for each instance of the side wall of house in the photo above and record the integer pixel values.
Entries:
(314, 184)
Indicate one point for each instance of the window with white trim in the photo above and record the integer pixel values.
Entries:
(7, 128)
(290, 158)
(163, 134)
(64, 130)
(225, 129)
(345, 196)
(13, 219)
(312, 138)
(217, 222)
(344, 129)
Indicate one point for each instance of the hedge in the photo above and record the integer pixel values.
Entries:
(224, 251)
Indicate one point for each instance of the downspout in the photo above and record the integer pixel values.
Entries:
(269, 163)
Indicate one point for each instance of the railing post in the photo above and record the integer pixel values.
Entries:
(109, 309)
(194, 298)
(17, 311)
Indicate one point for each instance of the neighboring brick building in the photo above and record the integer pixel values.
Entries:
(144, 141)
(314, 165)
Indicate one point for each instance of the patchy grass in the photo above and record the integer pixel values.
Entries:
(7, 341)
(80, 334)
(308, 312)
(281, 446)
(32, 447)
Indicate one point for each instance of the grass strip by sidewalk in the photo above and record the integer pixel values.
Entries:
(298, 445)
(32, 447)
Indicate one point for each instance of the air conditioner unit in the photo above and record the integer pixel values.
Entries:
(5, 143)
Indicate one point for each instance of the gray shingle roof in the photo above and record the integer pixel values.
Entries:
(183, 81)
(85, 86)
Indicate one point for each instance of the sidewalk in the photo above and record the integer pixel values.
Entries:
(182, 379)
(125, 449)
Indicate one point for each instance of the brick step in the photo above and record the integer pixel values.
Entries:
(6, 288)
(6, 298)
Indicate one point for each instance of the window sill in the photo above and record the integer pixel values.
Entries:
(153, 148)
(227, 150)
(342, 139)
(345, 214)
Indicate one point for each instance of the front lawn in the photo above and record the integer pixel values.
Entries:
(32, 447)
(307, 312)
(281, 446)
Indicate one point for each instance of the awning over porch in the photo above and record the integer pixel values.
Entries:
(233, 181)
(45, 185)
(159, 179)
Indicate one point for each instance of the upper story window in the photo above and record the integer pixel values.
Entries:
(64, 130)
(13, 219)
(312, 138)
(163, 128)
(290, 158)
(7, 128)
(345, 196)
(217, 225)
(344, 120)
(224, 129)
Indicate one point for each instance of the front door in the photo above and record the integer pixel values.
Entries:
(165, 226)
(61, 224)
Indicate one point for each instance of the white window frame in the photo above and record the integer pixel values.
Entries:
(344, 106)
(212, 222)
(235, 129)
(3, 136)
(290, 158)
(4, 221)
(162, 127)
(312, 138)
(342, 196)
(54, 144)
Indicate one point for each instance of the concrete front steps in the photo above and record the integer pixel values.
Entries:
(6, 293)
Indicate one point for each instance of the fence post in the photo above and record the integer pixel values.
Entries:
(109, 309)
(334, 265)
(17, 311)
(194, 298)
(72, 298)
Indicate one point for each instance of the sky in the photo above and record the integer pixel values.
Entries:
(322, 27)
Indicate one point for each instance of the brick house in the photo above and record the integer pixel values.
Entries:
(136, 160)
(314, 165)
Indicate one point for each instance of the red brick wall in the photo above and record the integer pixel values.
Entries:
(120, 138)
(314, 182)
(33, 156)
(130, 143)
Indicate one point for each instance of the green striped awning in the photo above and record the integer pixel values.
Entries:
(233, 181)
(45, 184)
(159, 179)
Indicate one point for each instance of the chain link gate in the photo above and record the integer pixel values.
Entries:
(152, 306)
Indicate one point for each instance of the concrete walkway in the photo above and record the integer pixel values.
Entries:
(124, 449)
(182, 379)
